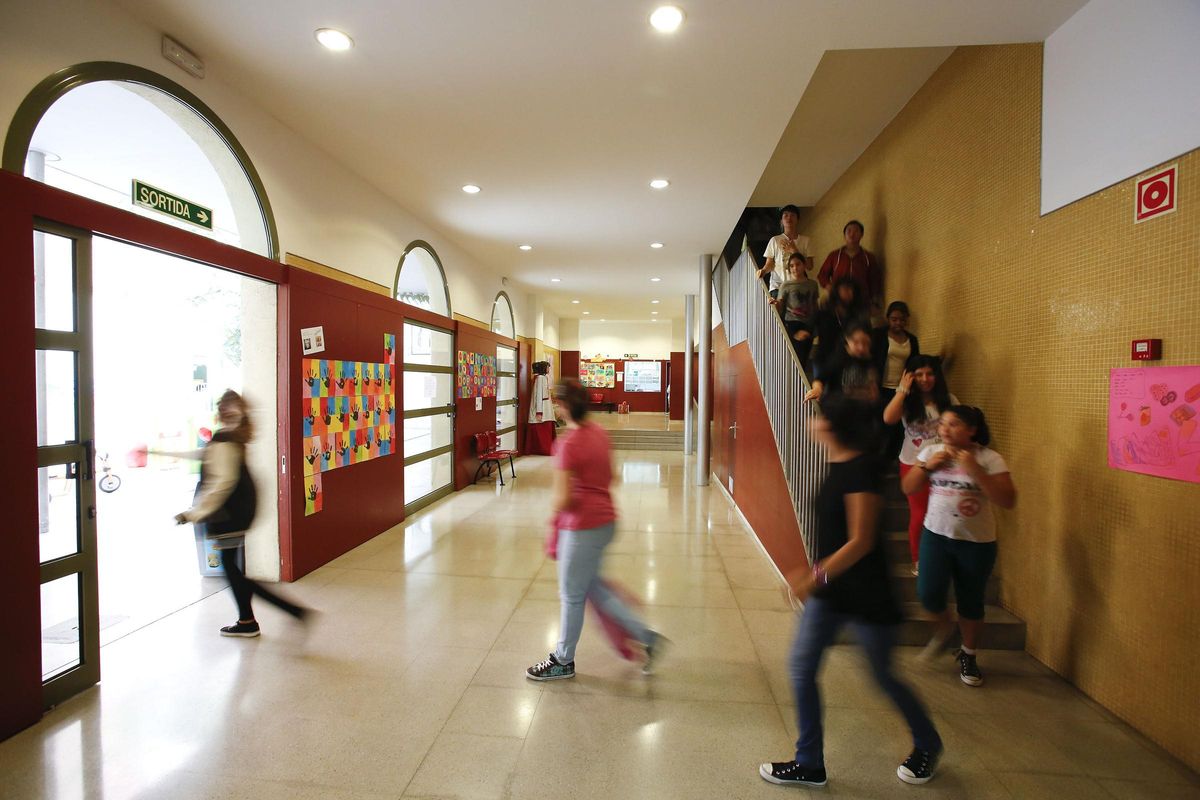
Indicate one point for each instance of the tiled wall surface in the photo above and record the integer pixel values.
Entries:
(1104, 565)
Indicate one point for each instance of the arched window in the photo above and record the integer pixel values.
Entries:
(129, 137)
(421, 281)
(502, 317)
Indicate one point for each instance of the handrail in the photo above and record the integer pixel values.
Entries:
(749, 317)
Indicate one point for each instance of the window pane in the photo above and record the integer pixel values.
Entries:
(97, 139)
(55, 396)
(427, 476)
(508, 441)
(506, 389)
(506, 417)
(420, 282)
(58, 512)
(426, 346)
(506, 359)
(422, 434)
(427, 390)
(54, 282)
(61, 639)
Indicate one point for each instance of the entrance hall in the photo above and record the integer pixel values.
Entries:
(411, 681)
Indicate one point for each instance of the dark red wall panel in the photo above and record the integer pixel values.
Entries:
(362, 500)
(468, 421)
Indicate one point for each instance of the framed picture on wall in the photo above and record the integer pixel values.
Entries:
(643, 376)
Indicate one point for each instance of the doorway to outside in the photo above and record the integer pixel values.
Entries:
(168, 337)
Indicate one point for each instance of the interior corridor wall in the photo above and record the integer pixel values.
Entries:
(324, 211)
(1034, 311)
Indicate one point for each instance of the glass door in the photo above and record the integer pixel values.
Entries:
(506, 397)
(428, 354)
(66, 461)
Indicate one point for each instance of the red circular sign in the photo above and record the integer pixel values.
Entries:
(1154, 194)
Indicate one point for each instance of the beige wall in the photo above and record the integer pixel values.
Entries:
(1104, 565)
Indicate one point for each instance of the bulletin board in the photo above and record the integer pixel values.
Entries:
(598, 375)
(643, 376)
(1153, 413)
(349, 415)
(476, 375)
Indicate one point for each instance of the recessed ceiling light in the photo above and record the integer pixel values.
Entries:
(603, 320)
(524, 247)
(654, 302)
(654, 320)
(655, 280)
(587, 312)
(556, 280)
(471, 188)
(332, 39)
(656, 245)
(659, 183)
(652, 313)
(666, 19)
(575, 302)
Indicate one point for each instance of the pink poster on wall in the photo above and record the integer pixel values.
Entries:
(1153, 413)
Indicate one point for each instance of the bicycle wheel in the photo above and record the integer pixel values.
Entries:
(110, 483)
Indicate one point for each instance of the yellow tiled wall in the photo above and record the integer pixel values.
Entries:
(1034, 311)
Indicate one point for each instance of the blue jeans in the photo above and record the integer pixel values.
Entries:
(579, 556)
(818, 628)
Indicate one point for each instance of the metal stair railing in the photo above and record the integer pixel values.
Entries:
(749, 317)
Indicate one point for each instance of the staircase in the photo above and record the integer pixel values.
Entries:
(629, 439)
(749, 318)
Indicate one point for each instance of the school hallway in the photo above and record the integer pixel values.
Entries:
(411, 681)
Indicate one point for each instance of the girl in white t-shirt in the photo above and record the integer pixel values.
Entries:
(921, 397)
(959, 540)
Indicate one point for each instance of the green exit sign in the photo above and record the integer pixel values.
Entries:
(156, 199)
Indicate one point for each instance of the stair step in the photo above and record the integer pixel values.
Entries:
(1002, 632)
(905, 584)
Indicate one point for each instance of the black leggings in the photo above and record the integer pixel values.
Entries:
(244, 589)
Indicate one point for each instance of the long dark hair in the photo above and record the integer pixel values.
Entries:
(856, 301)
(973, 417)
(914, 403)
(573, 397)
(852, 422)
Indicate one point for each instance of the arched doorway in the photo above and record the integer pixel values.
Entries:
(139, 324)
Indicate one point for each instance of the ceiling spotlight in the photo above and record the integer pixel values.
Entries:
(655, 280)
(586, 313)
(575, 302)
(524, 247)
(471, 188)
(332, 39)
(656, 245)
(654, 302)
(666, 19)
(652, 313)
(556, 280)
(659, 183)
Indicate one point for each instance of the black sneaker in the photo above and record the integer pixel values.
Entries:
(789, 773)
(247, 630)
(919, 766)
(968, 670)
(550, 670)
(654, 653)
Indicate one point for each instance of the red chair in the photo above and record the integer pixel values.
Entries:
(488, 454)
(494, 441)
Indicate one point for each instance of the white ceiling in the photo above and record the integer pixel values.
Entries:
(563, 110)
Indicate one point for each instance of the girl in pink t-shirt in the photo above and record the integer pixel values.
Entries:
(584, 523)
